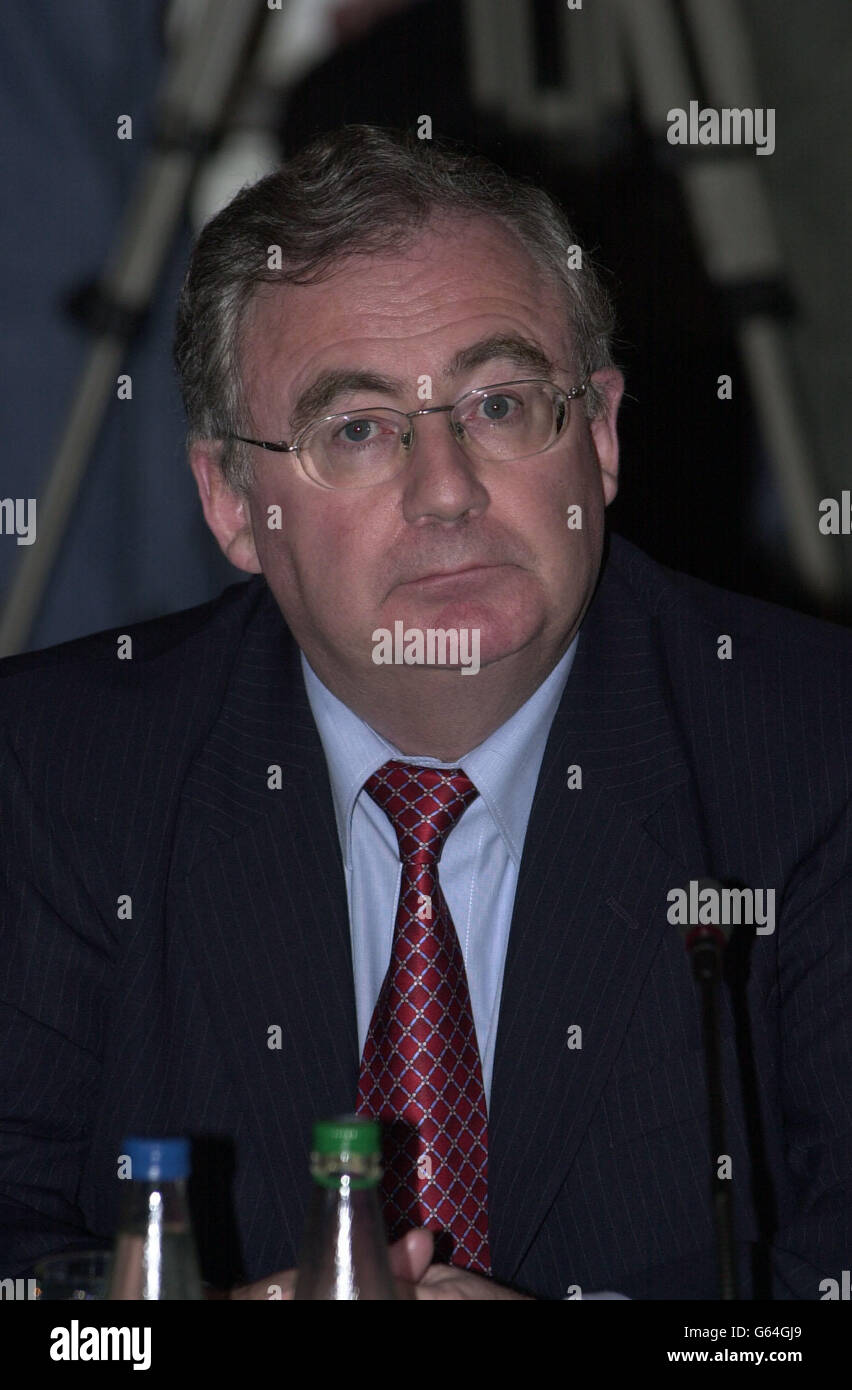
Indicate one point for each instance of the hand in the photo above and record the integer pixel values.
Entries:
(409, 1260)
(411, 1264)
(415, 1276)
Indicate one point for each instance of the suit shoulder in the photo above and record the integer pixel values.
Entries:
(89, 669)
(696, 611)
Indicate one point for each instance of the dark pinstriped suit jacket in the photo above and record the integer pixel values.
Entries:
(149, 777)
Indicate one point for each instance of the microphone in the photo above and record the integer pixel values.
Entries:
(705, 941)
(705, 944)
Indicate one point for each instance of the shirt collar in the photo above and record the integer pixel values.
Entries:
(504, 767)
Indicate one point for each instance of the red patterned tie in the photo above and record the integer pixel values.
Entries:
(421, 1073)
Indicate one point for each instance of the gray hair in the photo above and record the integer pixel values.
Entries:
(358, 189)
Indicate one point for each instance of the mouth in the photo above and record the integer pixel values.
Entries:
(442, 576)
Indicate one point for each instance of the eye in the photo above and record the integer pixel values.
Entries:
(357, 431)
(498, 407)
(357, 439)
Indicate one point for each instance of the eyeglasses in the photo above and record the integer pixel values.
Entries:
(498, 424)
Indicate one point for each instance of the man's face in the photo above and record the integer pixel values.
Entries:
(346, 562)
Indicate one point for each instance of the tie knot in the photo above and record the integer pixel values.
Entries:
(423, 803)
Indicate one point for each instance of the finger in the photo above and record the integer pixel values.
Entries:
(405, 1289)
(411, 1256)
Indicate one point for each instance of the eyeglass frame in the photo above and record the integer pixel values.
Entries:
(282, 447)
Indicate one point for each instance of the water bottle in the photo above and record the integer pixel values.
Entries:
(344, 1254)
(154, 1255)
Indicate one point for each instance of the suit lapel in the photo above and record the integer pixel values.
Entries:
(263, 908)
(589, 910)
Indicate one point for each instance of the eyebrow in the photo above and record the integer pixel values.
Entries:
(321, 394)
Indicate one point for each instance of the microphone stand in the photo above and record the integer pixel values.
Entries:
(191, 107)
(705, 945)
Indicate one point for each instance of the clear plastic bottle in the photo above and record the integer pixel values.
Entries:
(154, 1255)
(344, 1254)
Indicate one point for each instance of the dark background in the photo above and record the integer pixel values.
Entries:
(697, 489)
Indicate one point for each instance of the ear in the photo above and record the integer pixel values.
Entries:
(610, 383)
(226, 513)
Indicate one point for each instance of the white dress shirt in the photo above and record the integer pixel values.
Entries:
(481, 856)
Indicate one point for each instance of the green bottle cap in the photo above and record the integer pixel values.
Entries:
(348, 1134)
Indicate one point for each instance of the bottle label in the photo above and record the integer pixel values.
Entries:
(343, 1181)
(356, 1170)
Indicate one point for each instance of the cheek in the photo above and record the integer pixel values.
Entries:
(328, 553)
(555, 515)
(563, 524)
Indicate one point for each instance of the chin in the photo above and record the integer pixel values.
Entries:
(507, 615)
(496, 635)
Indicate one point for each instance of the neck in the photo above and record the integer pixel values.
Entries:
(443, 714)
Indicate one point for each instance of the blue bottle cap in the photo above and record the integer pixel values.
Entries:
(153, 1160)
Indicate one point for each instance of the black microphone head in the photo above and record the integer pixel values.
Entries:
(722, 919)
(696, 924)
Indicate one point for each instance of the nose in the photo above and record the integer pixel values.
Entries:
(441, 482)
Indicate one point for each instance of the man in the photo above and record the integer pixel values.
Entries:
(402, 411)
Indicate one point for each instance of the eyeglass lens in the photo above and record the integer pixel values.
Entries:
(358, 449)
